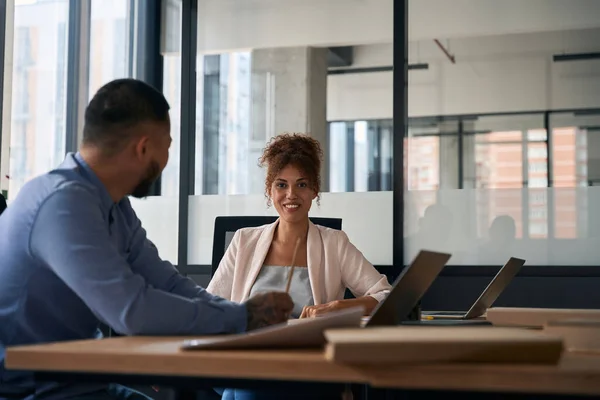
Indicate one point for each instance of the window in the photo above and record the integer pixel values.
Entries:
(538, 213)
(38, 90)
(538, 230)
(538, 182)
(536, 135)
(360, 156)
(109, 42)
(338, 163)
(537, 152)
(538, 166)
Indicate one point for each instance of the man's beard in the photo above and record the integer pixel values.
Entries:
(143, 188)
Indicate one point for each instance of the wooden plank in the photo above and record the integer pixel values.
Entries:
(414, 344)
(162, 356)
(535, 317)
(576, 374)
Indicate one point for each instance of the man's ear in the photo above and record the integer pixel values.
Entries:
(141, 147)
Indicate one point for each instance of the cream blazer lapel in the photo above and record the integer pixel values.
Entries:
(259, 255)
(316, 271)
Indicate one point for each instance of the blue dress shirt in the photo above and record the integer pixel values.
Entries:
(71, 258)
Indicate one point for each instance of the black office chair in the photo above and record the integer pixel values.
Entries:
(2, 203)
(225, 228)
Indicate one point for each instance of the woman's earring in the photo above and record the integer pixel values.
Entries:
(269, 204)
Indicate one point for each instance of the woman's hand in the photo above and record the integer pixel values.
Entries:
(320, 309)
(368, 302)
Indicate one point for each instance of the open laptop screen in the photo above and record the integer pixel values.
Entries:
(408, 288)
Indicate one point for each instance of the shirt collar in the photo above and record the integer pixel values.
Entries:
(89, 175)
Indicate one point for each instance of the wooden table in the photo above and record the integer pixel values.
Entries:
(131, 358)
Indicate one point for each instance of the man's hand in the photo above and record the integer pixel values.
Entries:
(266, 309)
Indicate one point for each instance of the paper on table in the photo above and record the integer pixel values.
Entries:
(307, 334)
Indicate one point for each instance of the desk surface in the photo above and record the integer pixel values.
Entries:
(576, 373)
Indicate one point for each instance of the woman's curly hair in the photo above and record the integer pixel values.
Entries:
(298, 149)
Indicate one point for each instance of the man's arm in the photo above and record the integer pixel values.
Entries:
(145, 260)
(70, 236)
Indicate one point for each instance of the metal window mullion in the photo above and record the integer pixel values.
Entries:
(525, 190)
(132, 36)
(78, 60)
(461, 154)
(189, 32)
(400, 113)
(350, 157)
(3, 36)
(147, 61)
(550, 211)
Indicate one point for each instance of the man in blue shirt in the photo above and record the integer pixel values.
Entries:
(74, 254)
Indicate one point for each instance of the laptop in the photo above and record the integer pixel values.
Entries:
(408, 289)
(487, 297)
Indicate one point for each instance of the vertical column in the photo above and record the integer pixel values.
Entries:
(289, 94)
(451, 155)
(593, 173)
(469, 165)
(78, 60)
(448, 155)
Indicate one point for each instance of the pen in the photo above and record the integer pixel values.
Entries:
(289, 282)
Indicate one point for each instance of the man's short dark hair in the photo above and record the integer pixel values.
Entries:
(118, 106)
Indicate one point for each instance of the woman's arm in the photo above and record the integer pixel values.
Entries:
(359, 275)
(367, 285)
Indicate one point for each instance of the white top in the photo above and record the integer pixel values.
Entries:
(273, 278)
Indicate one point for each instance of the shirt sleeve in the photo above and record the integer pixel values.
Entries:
(70, 236)
(145, 260)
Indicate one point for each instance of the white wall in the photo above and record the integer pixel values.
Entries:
(226, 25)
(359, 96)
(491, 74)
(429, 19)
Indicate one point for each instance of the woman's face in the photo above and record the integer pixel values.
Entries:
(292, 194)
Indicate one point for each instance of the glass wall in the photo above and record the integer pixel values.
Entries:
(257, 79)
(500, 151)
(508, 178)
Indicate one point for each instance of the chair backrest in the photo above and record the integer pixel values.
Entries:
(2, 203)
(225, 228)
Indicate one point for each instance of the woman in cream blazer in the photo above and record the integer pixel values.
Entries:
(332, 261)
(334, 264)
